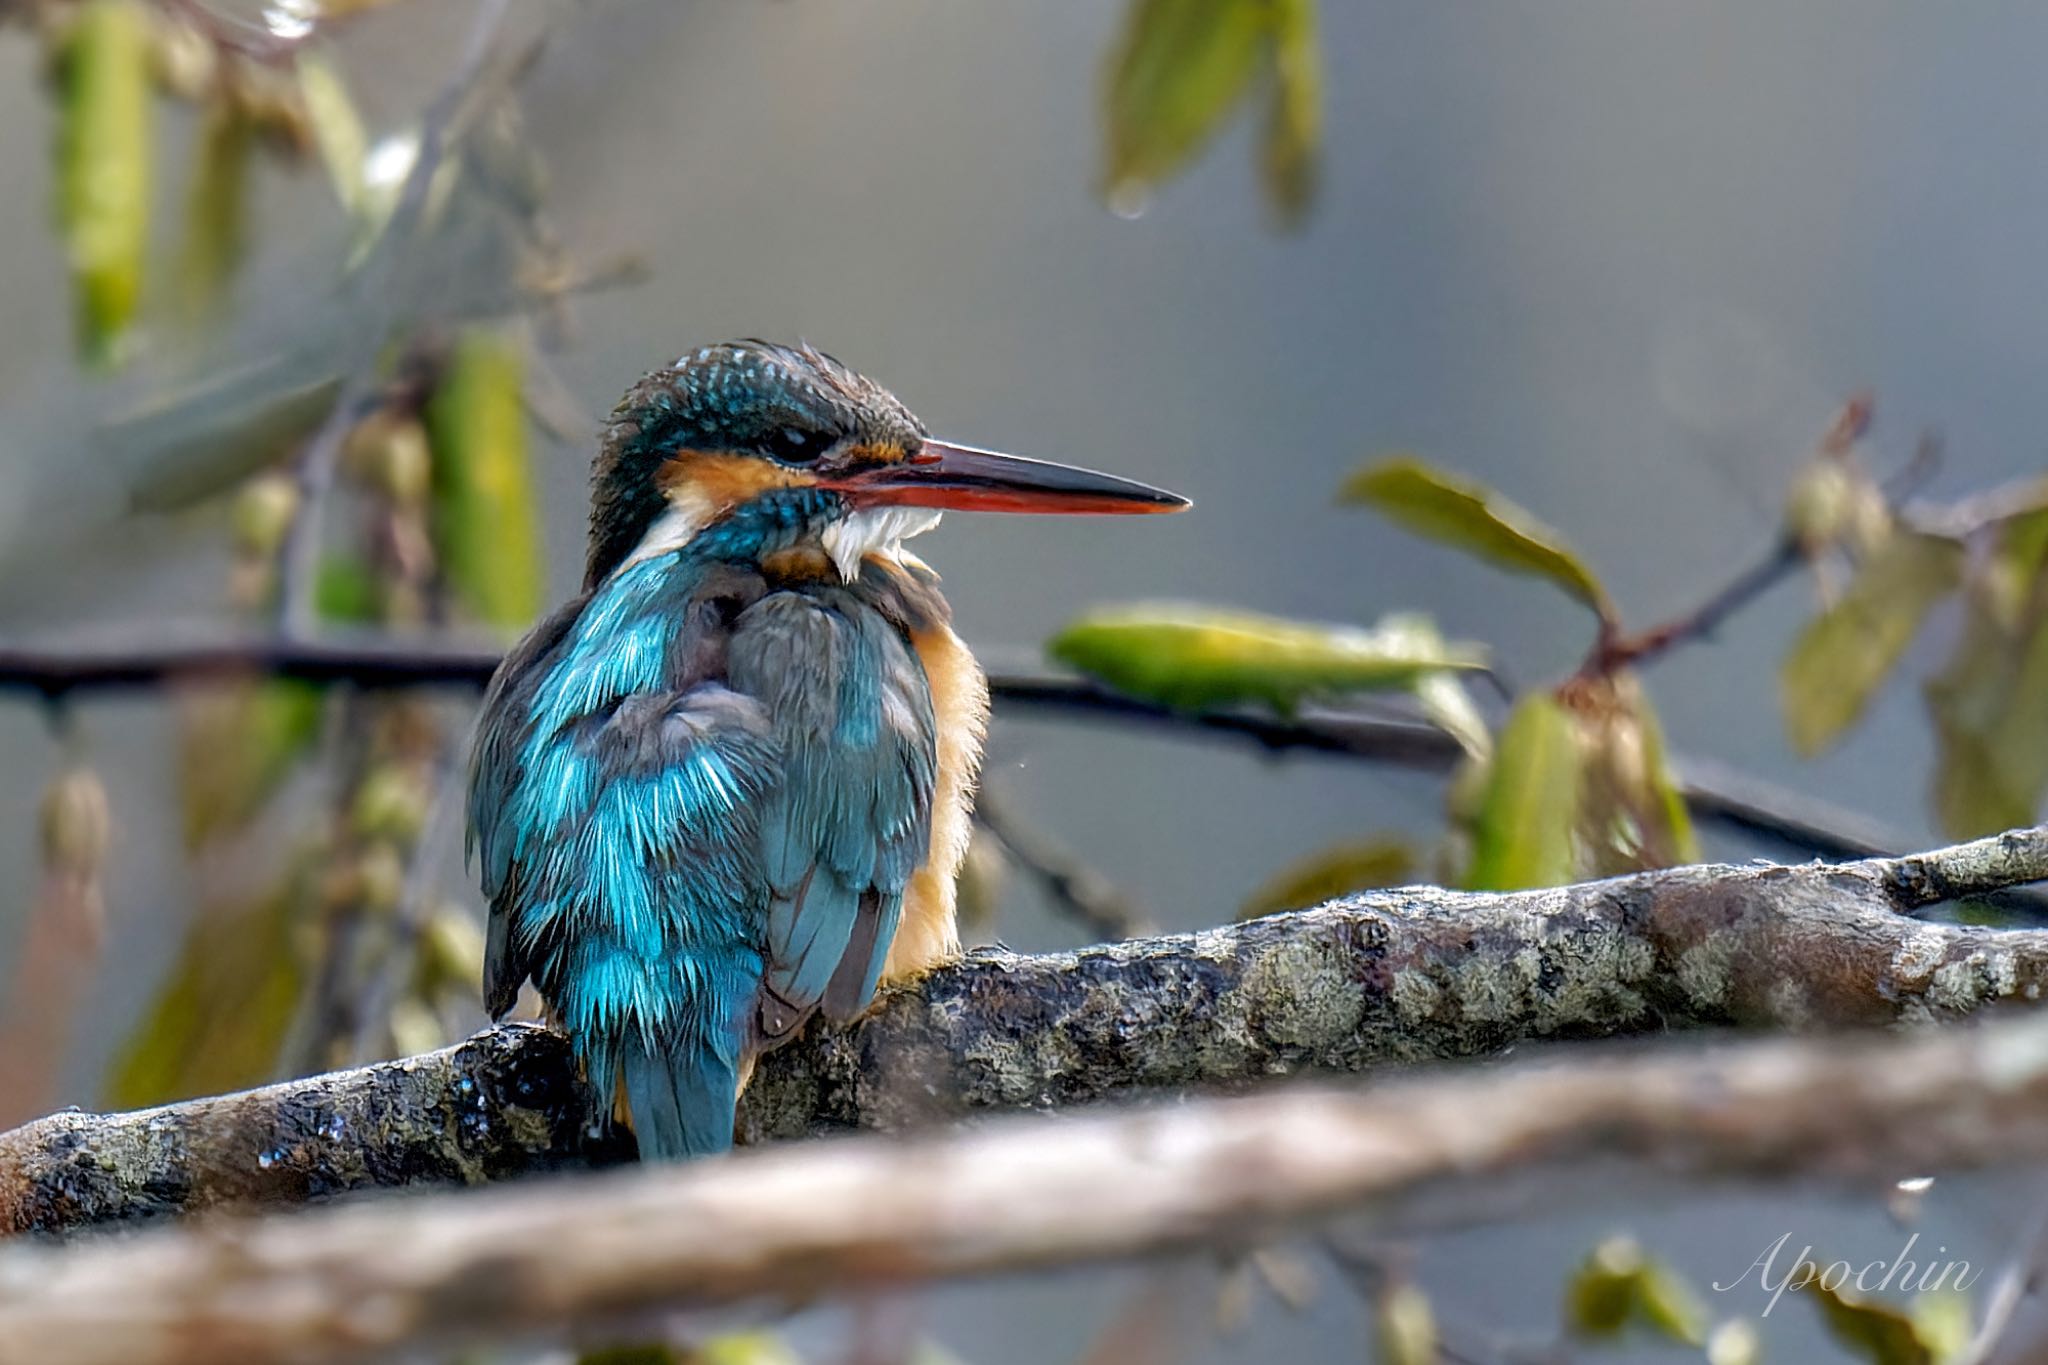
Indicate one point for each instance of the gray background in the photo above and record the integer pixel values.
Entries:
(1621, 259)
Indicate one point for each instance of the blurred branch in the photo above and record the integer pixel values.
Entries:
(1372, 980)
(1078, 891)
(1714, 791)
(872, 1213)
(441, 128)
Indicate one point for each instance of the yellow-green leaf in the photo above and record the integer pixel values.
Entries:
(1617, 1285)
(1464, 513)
(337, 127)
(1843, 654)
(1405, 1325)
(1442, 694)
(1294, 111)
(1193, 658)
(104, 157)
(215, 211)
(219, 1020)
(1357, 865)
(237, 742)
(1991, 726)
(1882, 1333)
(1523, 836)
(486, 523)
(1179, 69)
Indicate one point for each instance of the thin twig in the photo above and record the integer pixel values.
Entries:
(1077, 890)
(1714, 791)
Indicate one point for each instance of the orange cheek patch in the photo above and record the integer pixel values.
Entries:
(722, 480)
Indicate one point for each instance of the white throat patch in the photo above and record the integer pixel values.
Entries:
(874, 530)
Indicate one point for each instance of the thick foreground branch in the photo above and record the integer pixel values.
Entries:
(1402, 976)
(870, 1213)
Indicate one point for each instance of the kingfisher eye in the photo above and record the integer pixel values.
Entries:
(794, 445)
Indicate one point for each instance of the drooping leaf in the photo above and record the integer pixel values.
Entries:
(1631, 814)
(486, 522)
(216, 209)
(220, 1018)
(336, 127)
(1934, 1329)
(1442, 694)
(1404, 1325)
(1179, 70)
(1294, 111)
(104, 157)
(1990, 723)
(1193, 658)
(1618, 1284)
(1356, 865)
(1990, 713)
(237, 742)
(1843, 654)
(1463, 513)
(1523, 836)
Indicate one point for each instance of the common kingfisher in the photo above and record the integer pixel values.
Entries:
(729, 785)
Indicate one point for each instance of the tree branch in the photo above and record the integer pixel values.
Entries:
(372, 660)
(346, 1284)
(1369, 981)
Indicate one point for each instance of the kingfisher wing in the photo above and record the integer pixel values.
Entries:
(851, 711)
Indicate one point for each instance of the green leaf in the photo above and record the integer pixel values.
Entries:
(1463, 513)
(1843, 654)
(1990, 727)
(1523, 836)
(1405, 1325)
(219, 1021)
(337, 128)
(1442, 694)
(216, 208)
(486, 522)
(1194, 658)
(1179, 69)
(1356, 865)
(346, 591)
(1617, 1285)
(1294, 112)
(1935, 1329)
(237, 743)
(104, 155)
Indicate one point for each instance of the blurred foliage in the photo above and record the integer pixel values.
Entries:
(1844, 653)
(1933, 1328)
(1618, 1286)
(220, 1018)
(1195, 658)
(486, 521)
(1183, 67)
(1523, 833)
(1355, 865)
(104, 165)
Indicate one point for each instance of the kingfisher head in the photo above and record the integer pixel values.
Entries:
(780, 450)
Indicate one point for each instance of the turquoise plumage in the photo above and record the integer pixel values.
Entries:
(701, 791)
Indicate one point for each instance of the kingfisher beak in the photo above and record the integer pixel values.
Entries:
(961, 478)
